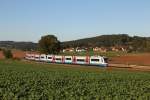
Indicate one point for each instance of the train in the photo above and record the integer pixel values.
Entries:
(81, 60)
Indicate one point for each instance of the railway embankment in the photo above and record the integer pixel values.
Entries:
(131, 66)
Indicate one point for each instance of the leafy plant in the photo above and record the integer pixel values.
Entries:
(7, 53)
(21, 80)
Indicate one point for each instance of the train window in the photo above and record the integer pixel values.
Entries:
(81, 60)
(49, 57)
(58, 58)
(95, 60)
(37, 57)
(42, 57)
(68, 58)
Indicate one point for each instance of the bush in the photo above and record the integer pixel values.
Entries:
(7, 53)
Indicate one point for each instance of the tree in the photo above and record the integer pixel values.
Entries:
(7, 53)
(49, 44)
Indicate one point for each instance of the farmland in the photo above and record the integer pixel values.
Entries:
(30, 80)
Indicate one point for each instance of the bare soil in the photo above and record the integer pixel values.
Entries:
(16, 54)
(1, 55)
(134, 59)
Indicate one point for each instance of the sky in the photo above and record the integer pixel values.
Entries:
(28, 20)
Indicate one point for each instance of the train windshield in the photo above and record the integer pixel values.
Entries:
(105, 59)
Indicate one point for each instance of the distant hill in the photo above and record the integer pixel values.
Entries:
(103, 40)
(18, 45)
(135, 43)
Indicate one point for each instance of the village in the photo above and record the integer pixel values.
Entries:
(96, 49)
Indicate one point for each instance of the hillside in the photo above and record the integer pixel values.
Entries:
(135, 43)
(18, 45)
(103, 40)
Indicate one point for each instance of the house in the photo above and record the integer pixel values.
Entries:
(68, 50)
(81, 49)
(119, 48)
(116, 49)
(100, 49)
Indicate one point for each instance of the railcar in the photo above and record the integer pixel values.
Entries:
(50, 58)
(97, 60)
(37, 57)
(68, 59)
(30, 56)
(83, 60)
(27, 56)
(59, 59)
(43, 57)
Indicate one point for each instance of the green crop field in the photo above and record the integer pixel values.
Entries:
(30, 80)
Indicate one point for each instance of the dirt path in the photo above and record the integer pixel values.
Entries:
(133, 67)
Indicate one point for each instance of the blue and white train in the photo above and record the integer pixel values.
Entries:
(83, 60)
